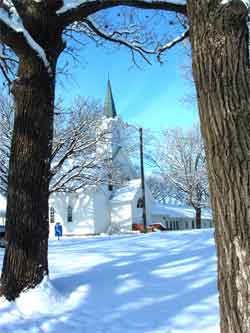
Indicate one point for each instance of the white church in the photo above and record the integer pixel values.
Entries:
(104, 208)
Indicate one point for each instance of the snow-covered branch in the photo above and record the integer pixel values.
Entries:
(172, 43)
(77, 10)
(133, 45)
(14, 34)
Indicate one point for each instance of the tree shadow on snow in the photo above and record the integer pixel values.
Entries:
(135, 286)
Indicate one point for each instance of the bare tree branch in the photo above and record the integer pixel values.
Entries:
(14, 34)
(183, 166)
(79, 157)
(134, 46)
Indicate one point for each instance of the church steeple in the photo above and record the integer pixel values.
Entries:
(109, 105)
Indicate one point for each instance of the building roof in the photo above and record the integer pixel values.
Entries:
(126, 193)
(181, 212)
(109, 105)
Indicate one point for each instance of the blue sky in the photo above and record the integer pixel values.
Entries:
(151, 97)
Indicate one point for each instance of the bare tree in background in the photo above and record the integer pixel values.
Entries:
(182, 165)
(74, 162)
(161, 189)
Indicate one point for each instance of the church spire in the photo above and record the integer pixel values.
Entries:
(109, 105)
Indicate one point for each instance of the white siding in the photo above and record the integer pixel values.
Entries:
(121, 215)
(102, 213)
(83, 213)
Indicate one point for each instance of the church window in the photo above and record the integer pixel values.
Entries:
(52, 215)
(70, 214)
(140, 203)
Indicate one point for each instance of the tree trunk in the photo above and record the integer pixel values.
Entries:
(219, 38)
(198, 217)
(25, 261)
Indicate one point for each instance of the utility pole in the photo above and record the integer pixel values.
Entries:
(144, 215)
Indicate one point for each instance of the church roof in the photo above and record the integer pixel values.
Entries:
(109, 105)
(128, 192)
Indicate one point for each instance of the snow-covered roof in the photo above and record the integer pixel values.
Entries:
(172, 211)
(128, 192)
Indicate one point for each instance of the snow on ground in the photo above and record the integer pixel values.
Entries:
(154, 283)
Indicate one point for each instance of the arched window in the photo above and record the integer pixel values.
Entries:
(70, 214)
(140, 203)
(52, 215)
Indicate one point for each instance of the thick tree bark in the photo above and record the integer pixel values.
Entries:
(25, 261)
(219, 38)
(198, 217)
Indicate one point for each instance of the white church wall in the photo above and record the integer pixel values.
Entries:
(121, 216)
(83, 221)
(82, 213)
(104, 147)
(102, 212)
(58, 202)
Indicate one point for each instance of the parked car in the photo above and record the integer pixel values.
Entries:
(2, 235)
